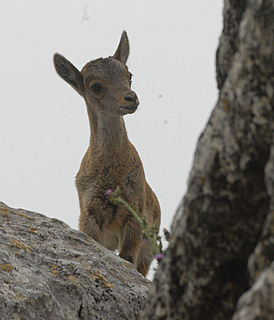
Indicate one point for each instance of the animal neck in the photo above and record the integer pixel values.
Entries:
(108, 134)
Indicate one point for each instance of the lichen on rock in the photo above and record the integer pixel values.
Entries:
(51, 271)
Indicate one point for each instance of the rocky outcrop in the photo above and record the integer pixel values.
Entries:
(258, 302)
(219, 264)
(227, 212)
(49, 271)
(264, 252)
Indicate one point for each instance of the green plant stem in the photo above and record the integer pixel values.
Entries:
(118, 200)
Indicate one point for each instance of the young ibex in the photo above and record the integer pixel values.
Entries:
(111, 160)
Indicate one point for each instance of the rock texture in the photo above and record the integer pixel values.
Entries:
(264, 251)
(228, 208)
(258, 302)
(49, 271)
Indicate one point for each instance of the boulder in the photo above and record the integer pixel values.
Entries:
(222, 236)
(51, 271)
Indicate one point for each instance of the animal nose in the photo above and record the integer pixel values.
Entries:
(131, 98)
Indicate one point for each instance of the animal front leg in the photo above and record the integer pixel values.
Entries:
(89, 224)
(145, 257)
(130, 241)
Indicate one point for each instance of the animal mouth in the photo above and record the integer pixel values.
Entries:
(130, 108)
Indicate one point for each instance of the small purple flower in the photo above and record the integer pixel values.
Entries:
(158, 256)
(108, 192)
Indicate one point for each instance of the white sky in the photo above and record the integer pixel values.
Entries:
(43, 123)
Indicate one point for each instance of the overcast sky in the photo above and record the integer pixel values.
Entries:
(44, 126)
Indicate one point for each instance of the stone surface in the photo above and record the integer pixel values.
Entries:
(50, 271)
(264, 251)
(228, 204)
(258, 302)
(229, 40)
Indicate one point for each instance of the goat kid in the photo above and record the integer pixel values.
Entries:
(111, 160)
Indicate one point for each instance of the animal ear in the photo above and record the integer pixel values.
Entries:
(122, 51)
(69, 73)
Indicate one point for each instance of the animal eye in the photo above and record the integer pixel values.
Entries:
(96, 87)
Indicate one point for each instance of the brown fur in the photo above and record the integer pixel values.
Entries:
(111, 160)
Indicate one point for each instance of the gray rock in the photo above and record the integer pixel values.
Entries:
(227, 205)
(264, 252)
(50, 271)
(258, 302)
(229, 40)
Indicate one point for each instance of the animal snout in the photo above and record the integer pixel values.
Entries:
(131, 98)
(129, 102)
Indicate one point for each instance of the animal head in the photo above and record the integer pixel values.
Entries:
(104, 83)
